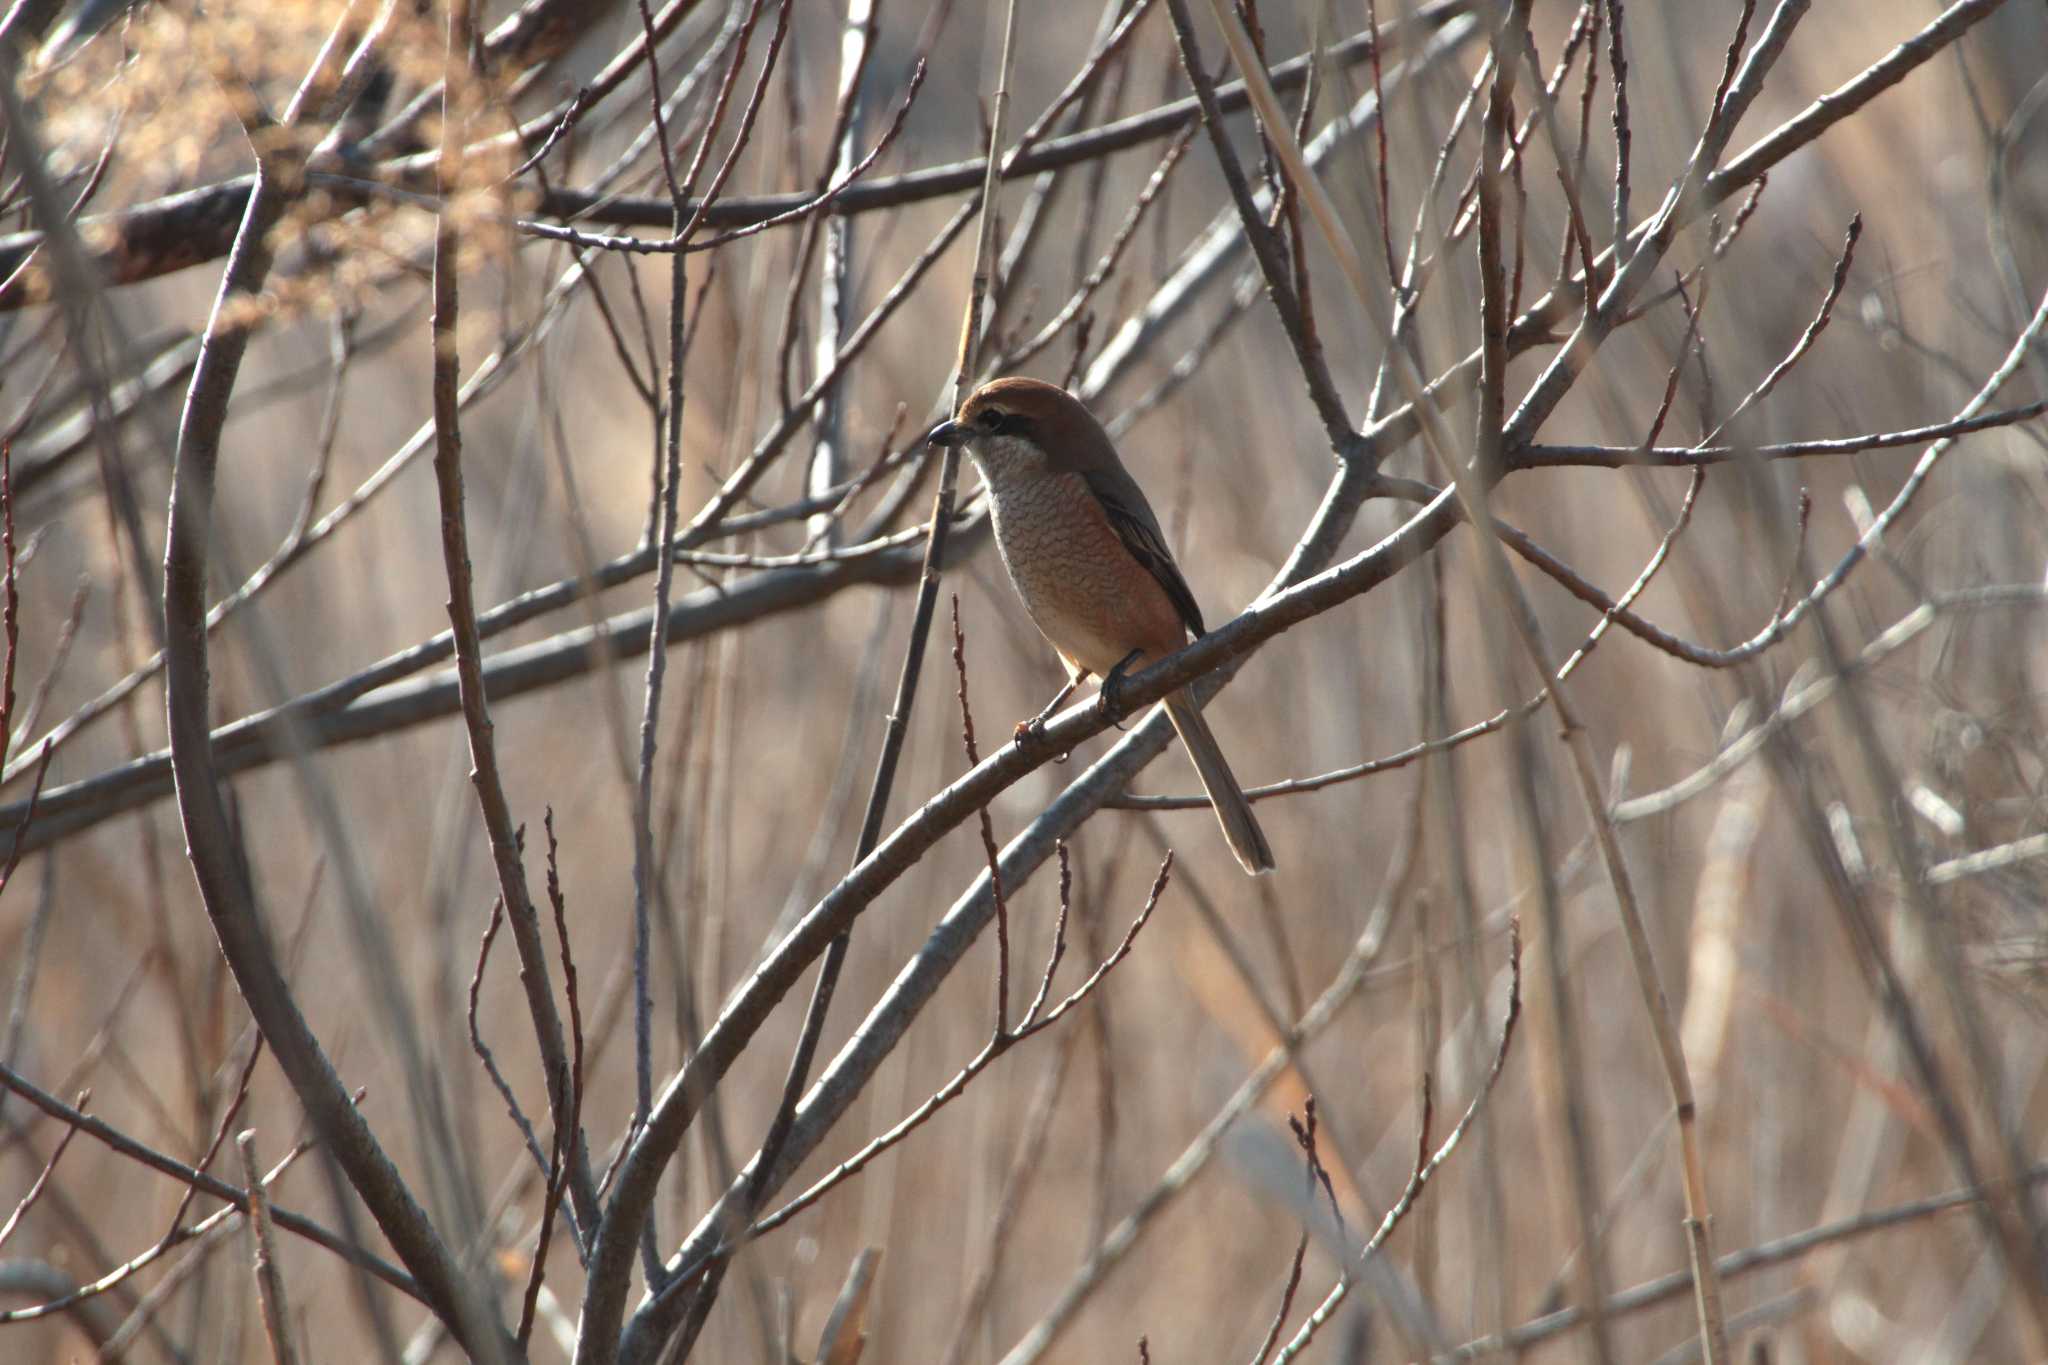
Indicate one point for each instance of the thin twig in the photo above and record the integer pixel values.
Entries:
(1765, 1256)
(238, 1198)
(952, 1089)
(1305, 1136)
(1426, 1162)
(988, 835)
(270, 1295)
(43, 1177)
(492, 803)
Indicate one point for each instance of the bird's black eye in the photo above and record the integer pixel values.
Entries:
(991, 418)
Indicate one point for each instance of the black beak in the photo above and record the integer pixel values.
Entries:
(948, 434)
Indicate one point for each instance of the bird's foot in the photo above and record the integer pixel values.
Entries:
(1032, 732)
(1109, 700)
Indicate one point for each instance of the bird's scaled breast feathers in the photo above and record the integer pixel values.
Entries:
(1082, 587)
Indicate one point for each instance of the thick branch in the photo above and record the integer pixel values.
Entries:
(211, 841)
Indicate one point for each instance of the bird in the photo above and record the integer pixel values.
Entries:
(1086, 555)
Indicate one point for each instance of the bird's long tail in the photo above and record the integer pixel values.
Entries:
(1240, 830)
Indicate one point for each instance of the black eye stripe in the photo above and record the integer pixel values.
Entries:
(992, 418)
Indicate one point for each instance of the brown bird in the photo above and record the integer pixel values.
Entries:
(1086, 554)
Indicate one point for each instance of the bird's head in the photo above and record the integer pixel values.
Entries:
(1017, 424)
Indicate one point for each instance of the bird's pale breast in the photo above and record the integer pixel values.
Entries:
(1085, 592)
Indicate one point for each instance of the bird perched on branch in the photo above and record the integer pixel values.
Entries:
(1086, 554)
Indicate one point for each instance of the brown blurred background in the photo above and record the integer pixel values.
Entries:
(1810, 1113)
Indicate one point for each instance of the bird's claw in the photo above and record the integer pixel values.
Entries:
(1107, 707)
(1109, 698)
(1030, 732)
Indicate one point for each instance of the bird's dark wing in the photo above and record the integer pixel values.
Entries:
(1130, 516)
